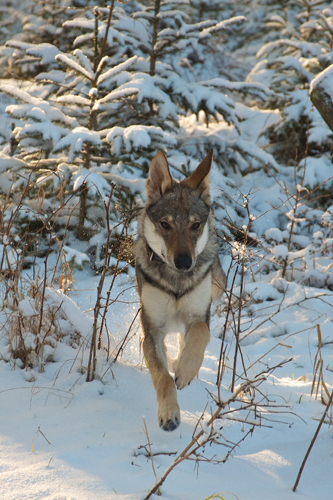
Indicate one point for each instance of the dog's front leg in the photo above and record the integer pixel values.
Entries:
(192, 355)
(168, 409)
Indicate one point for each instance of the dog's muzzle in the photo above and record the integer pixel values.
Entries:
(183, 262)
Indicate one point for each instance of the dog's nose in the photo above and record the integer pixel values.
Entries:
(183, 262)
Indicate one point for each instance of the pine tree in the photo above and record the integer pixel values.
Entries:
(97, 113)
(63, 118)
(27, 24)
(288, 65)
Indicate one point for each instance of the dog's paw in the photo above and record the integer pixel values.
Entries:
(169, 425)
(169, 417)
(186, 371)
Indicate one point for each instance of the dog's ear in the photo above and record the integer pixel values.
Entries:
(159, 179)
(199, 179)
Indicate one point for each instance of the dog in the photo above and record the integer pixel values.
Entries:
(178, 273)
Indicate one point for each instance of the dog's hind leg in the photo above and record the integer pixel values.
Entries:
(168, 409)
(192, 355)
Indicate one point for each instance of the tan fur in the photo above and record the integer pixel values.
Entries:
(199, 179)
(218, 282)
(164, 384)
(192, 356)
(159, 181)
(179, 245)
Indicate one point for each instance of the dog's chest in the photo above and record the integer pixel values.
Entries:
(164, 311)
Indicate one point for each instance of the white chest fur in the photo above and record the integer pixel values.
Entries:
(171, 315)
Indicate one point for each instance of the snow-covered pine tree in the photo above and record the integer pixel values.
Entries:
(165, 92)
(58, 132)
(297, 50)
(26, 24)
(94, 117)
(287, 65)
(165, 39)
(200, 113)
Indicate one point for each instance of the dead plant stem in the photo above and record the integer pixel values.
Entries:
(229, 307)
(126, 336)
(312, 442)
(158, 492)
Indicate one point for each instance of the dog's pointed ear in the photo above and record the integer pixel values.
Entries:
(159, 179)
(199, 179)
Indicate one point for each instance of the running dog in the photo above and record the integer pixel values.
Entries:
(178, 274)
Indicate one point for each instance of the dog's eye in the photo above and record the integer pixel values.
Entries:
(195, 226)
(165, 224)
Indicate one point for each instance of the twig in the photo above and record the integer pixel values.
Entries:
(318, 367)
(158, 491)
(312, 442)
(92, 353)
(127, 334)
(108, 23)
(149, 454)
(222, 350)
(240, 305)
(38, 430)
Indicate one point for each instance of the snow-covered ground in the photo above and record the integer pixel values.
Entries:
(64, 438)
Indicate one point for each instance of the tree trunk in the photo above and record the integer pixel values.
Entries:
(82, 215)
(153, 55)
(321, 95)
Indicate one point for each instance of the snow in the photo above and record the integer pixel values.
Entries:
(136, 136)
(117, 69)
(70, 61)
(94, 182)
(112, 96)
(317, 171)
(7, 162)
(74, 99)
(324, 80)
(87, 436)
(10, 253)
(46, 51)
(34, 105)
(223, 25)
(280, 251)
(74, 256)
(307, 48)
(75, 139)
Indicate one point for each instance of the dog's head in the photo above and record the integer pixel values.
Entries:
(177, 224)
